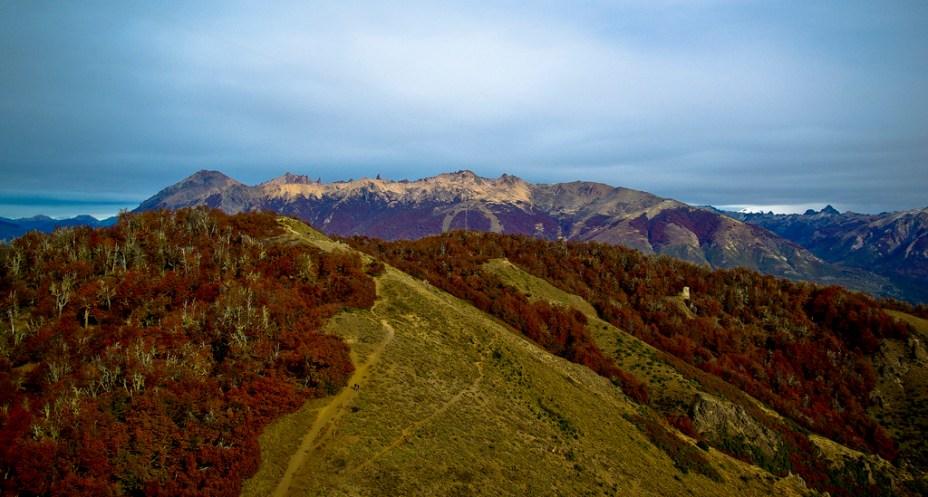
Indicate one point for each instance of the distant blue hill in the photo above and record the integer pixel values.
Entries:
(12, 228)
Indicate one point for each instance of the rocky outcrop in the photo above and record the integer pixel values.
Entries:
(730, 426)
(894, 362)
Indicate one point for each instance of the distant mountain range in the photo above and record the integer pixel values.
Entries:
(577, 211)
(884, 254)
(12, 228)
(891, 244)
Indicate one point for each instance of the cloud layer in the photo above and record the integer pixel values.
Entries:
(728, 102)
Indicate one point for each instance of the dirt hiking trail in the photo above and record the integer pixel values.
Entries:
(330, 413)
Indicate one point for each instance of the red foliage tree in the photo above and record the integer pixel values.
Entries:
(802, 349)
(146, 358)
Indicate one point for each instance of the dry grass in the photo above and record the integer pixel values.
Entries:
(304, 233)
(279, 442)
(668, 387)
(920, 324)
(902, 383)
(458, 404)
(536, 288)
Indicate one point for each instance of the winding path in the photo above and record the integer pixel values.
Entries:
(330, 413)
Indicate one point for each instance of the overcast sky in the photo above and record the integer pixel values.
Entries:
(786, 104)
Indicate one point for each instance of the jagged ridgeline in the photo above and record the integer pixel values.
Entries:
(145, 359)
(577, 211)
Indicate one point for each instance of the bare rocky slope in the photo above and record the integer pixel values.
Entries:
(581, 211)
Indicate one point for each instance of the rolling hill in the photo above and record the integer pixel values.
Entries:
(454, 403)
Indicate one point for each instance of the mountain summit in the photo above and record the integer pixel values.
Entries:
(291, 179)
(203, 187)
(577, 211)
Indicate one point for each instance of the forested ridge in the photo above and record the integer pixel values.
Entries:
(803, 349)
(144, 359)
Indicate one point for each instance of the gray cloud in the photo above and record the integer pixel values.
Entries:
(723, 102)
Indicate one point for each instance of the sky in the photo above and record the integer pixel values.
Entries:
(779, 106)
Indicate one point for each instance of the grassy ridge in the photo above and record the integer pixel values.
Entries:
(459, 404)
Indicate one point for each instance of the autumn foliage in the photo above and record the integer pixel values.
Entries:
(144, 359)
(453, 263)
(801, 348)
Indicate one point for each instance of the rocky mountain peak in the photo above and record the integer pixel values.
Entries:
(582, 211)
(208, 178)
(291, 179)
(463, 173)
(202, 188)
(462, 177)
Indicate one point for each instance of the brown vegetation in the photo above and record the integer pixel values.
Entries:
(445, 262)
(802, 349)
(144, 359)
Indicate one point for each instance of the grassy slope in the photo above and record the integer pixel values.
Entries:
(666, 385)
(902, 380)
(459, 404)
(904, 415)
